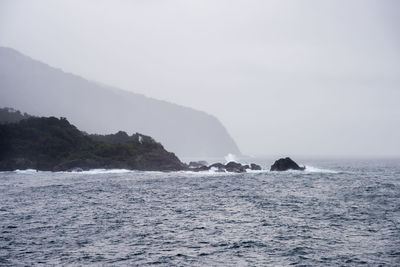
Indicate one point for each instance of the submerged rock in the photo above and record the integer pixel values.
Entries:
(285, 164)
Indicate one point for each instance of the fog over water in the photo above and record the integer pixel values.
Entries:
(309, 78)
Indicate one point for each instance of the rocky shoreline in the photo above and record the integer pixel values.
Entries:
(219, 167)
(52, 144)
(283, 164)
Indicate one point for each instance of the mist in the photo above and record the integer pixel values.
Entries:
(307, 78)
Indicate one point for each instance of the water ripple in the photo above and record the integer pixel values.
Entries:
(347, 217)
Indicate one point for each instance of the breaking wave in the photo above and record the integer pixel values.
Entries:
(212, 171)
(231, 157)
(27, 171)
(314, 169)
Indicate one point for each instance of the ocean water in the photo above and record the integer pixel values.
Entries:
(337, 213)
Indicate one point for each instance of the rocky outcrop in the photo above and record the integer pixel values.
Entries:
(285, 164)
(229, 167)
(79, 165)
(255, 167)
(16, 163)
(234, 167)
(197, 164)
(219, 167)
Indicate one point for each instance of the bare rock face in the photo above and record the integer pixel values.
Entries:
(285, 164)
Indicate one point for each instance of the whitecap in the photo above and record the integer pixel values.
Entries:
(308, 169)
(257, 171)
(102, 171)
(314, 169)
(27, 171)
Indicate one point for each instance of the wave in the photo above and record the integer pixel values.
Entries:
(103, 171)
(92, 171)
(314, 169)
(215, 171)
(308, 170)
(212, 171)
(311, 169)
(27, 171)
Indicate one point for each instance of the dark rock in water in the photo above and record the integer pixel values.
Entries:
(76, 170)
(234, 167)
(200, 169)
(78, 164)
(197, 164)
(285, 164)
(219, 166)
(233, 164)
(255, 167)
(229, 167)
(19, 163)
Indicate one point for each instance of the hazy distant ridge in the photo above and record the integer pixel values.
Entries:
(39, 89)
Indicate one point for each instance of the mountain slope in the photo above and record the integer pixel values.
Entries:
(39, 89)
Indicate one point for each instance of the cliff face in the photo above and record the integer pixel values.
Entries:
(55, 145)
(39, 89)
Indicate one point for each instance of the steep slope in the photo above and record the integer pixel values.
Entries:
(39, 89)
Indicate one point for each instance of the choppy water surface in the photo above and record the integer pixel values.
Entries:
(347, 216)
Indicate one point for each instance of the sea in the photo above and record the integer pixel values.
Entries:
(335, 213)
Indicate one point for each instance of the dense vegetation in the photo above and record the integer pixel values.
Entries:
(10, 115)
(54, 144)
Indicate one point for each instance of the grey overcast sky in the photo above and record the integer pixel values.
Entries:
(310, 77)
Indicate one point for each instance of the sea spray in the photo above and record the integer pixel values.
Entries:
(231, 157)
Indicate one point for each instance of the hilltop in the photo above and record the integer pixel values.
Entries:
(53, 144)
